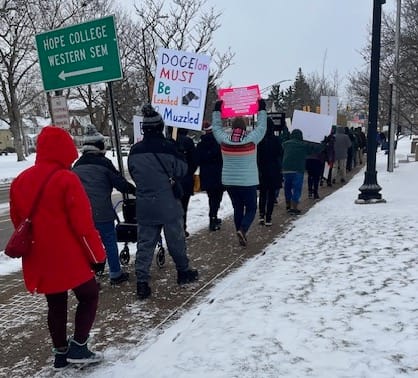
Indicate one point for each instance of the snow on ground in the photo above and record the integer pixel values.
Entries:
(334, 297)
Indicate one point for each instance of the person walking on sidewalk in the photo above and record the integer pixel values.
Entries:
(342, 143)
(99, 176)
(67, 247)
(295, 151)
(239, 171)
(186, 146)
(209, 159)
(269, 162)
(152, 163)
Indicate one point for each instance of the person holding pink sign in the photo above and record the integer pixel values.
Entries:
(239, 171)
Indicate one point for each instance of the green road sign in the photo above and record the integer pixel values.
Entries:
(79, 54)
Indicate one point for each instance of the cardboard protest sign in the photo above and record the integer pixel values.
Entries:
(239, 101)
(181, 80)
(313, 126)
(138, 133)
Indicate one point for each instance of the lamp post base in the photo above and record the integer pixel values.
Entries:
(370, 190)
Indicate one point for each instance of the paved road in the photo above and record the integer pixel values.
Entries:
(6, 227)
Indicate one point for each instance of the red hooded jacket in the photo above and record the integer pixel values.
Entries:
(66, 242)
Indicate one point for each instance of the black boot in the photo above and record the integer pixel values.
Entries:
(143, 291)
(79, 353)
(60, 360)
(187, 276)
(213, 224)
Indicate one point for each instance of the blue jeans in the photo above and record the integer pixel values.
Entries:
(293, 183)
(244, 202)
(108, 234)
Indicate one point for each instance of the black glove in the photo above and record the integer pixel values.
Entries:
(98, 268)
(218, 105)
(261, 104)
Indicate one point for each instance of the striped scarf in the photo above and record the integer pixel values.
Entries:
(238, 135)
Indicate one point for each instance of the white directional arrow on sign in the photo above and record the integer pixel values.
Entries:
(63, 75)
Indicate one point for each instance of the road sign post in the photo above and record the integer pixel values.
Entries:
(59, 109)
(80, 54)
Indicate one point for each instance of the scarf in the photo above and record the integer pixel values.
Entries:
(238, 135)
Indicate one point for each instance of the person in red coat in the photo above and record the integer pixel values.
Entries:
(67, 248)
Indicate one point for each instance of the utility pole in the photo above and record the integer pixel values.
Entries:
(394, 93)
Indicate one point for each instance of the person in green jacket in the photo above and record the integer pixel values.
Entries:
(295, 151)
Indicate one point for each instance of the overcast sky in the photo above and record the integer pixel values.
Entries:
(273, 38)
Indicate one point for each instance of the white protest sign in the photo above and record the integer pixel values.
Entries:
(313, 126)
(181, 81)
(138, 134)
(329, 106)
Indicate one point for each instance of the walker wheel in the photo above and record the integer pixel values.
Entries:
(160, 257)
(124, 256)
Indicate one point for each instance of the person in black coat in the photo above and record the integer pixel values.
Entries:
(209, 159)
(186, 147)
(269, 162)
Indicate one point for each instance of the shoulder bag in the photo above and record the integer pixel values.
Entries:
(20, 243)
(175, 185)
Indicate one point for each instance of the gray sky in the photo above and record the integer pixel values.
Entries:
(273, 38)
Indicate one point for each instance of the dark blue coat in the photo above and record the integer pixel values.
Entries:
(209, 159)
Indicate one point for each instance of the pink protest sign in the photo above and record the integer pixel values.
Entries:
(239, 101)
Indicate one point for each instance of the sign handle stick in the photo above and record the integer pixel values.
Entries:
(115, 129)
(174, 133)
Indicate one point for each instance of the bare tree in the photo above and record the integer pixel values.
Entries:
(20, 82)
(180, 25)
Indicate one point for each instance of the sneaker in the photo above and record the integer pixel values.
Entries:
(143, 291)
(268, 222)
(123, 277)
(242, 238)
(187, 276)
(80, 354)
(60, 361)
(261, 220)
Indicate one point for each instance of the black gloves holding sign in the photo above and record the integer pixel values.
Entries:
(261, 104)
(218, 106)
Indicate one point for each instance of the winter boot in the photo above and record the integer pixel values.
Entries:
(288, 206)
(187, 276)
(60, 361)
(218, 221)
(316, 195)
(294, 208)
(80, 354)
(261, 219)
(213, 224)
(143, 291)
(124, 276)
(310, 193)
(242, 239)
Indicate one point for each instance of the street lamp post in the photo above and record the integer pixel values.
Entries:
(370, 188)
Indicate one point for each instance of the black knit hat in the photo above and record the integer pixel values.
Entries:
(152, 122)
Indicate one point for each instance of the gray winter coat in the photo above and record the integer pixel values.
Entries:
(342, 143)
(155, 202)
